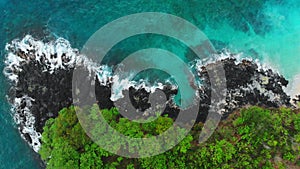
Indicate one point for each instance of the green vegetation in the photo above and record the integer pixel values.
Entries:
(250, 138)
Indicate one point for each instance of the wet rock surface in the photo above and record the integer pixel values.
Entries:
(51, 92)
(42, 85)
(246, 85)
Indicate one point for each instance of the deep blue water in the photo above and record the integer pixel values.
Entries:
(268, 30)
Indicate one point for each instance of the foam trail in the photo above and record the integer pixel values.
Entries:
(26, 120)
(294, 88)
(59, 54)
(52, 56)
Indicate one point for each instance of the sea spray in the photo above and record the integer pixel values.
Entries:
(50, 58)
(41, 75)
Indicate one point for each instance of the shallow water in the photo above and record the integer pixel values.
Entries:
(264, 30)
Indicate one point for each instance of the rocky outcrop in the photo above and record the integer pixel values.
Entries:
(247, 84)
(40, 88)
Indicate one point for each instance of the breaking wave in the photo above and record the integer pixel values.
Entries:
(58, 55)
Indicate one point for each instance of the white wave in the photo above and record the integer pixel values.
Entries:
(60, 55)
(120, 84)
(239, 58)
(104, 74)
(26, 120)
(52, 56)
(257, 82)
(293, 88)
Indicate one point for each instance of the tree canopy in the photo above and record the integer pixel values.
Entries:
(250, 138)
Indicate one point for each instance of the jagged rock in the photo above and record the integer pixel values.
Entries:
(42, 89)
(53, 92)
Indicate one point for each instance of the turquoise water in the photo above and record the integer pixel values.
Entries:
(267, 30)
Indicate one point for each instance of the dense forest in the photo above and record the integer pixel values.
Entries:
(252, 137)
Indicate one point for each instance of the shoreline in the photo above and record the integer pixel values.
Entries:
(36, 71)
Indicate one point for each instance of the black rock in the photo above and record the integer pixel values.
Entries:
(246, 85)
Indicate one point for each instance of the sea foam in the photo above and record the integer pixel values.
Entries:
(59, 55)
(53, 56)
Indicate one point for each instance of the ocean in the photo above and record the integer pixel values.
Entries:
(266, 30)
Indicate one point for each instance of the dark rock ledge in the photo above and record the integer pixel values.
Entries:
(247, 84)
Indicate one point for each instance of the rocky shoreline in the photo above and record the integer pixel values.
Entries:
(41, 76)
